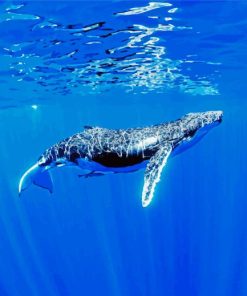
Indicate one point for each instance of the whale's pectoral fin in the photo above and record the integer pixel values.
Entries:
(153, 172)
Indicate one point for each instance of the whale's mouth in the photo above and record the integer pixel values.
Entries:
(212, 119)
(219, 117)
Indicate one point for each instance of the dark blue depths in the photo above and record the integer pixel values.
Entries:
(92, 236)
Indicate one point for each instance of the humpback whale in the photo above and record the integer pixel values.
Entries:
(97, 151)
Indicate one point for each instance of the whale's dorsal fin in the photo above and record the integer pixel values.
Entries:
(153, 172)
(88, 127)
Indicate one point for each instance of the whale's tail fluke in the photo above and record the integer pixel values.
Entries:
(36, 175)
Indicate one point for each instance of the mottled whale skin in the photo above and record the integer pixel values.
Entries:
(98, 151)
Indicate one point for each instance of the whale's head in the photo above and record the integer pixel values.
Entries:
(195, 126)
(201, 121)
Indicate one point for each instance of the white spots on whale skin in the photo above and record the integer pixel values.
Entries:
(147, 142)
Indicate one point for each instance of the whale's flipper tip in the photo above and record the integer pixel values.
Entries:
(35, 175)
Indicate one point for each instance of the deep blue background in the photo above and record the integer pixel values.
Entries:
(92, 236)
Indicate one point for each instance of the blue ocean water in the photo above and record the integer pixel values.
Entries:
(120, 64)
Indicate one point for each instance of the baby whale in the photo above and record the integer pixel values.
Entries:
(98, 151)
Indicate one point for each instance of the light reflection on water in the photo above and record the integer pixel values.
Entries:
(134, 49)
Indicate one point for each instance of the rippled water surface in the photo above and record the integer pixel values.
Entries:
(120, 64)
(78, 48)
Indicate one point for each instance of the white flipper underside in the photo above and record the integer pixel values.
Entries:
(153, 173)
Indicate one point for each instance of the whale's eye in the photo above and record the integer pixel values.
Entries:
(190, 133)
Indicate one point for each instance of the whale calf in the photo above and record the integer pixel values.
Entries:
(98, 151)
